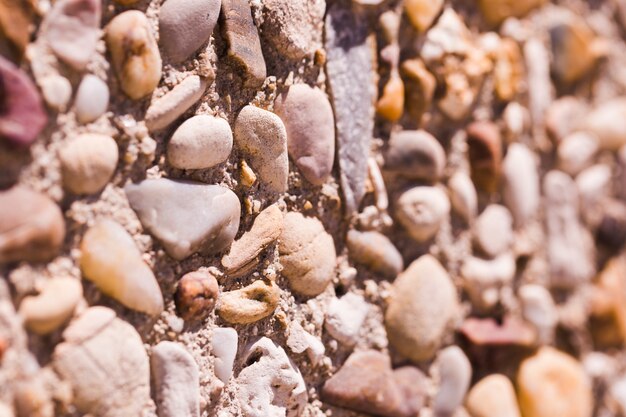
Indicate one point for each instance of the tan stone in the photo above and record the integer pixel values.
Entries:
(391, 103)
(419, 88)
(422, 13)
(496, 11)
(47, 311)
(249, 304)
(492, 396)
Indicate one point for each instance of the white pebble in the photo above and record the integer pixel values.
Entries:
(224, 347)
(493, 230)
(521, 183)
(576, 152)
(463, 195)
(92, 99)
(200, 142)
(57, 91)
(421, 210)
(345, 318)
(455, 373)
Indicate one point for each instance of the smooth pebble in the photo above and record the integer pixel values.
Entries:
(422, 210)
(416, 154)
(463, 196)
(224, 346)
(249, 304)
(375, 251)
(493, 396)
(345, 317)
(493, 230)
(166, 109)
(521, 184)
(454, 373)
(576, 152)
(92, 99)
(196, 295)
(200, 142)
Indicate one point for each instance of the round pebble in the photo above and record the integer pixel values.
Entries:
(421, 210)
(196, 295)
(463, 196)
(493, 230)
(416, 154)
(92, 99)
(576, 152)
(493, 396)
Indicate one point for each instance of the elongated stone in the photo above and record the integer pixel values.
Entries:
(165, 110)
(207, 222)
(224, 346)
(493, 396)
(455, 374)
(249, 304)
(521, 184)
(15, 20)
(349, 67)
(376, 251)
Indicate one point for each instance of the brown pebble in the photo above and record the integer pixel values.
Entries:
(419, 88)
(391, 103)
(15, 20)
(196, 295)
(496, 11)
(574, 52)
(485, 154)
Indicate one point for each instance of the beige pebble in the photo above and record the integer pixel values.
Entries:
(421, 210)
(521, 184)
(574, 49)
(419, 88)
(166, 109)
(390, 105)
(134, 53)
(47, 311)
(485, 154)
(416, 154)
(539, 309)
(376, 251)
(111, 260)
(88, 162)
(496, 11)
(492, 396)
(564, 117)
(249, 304)
(606, 123)
(463, 196)
(493, 230)
(483, 279)
(454, 373)
(576, 152)
(56, 91)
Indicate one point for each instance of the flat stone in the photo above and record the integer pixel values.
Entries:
(110, 259)
(576, 152)
(166, 109)
(416, 154)
(31, 226)
(345, 317)
(493, 396)
(350, 54)
(521, 184)
(224, 346)
(309, 121)
(421, 210)
(422, 13)
(463, 196)
(496, 11)
(488, 332)
(376, 251)
(185, 25)
(249, 304)
(207, 223)
(307, 254)
(200, 142)
(92, 99)
(366, 383)
(485, 154)
(605, 122)
(104, 360)
(493, 230)
(196, 295)
(421, 310)
(454, 373)
(263, 138)
(176, 380)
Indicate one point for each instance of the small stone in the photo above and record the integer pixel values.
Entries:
(516, 121)
(496, 11)
(493, 230)
(176, 381)
(345, 317)
(421, 210)
(307, 254)
(576, 152)
(390, 105)
(422, 13)
(32, 397)
(196, 295)
(56, 91)
(416, 154)
(493, 396)
(309, 121)
(574, 54)
(538, 308)
(375, 251)
(608, 300)
(262, 136)
(594, 190)
(455, 373)
(47, 311)
(72, 29)
(166, 109)
(521, 184)
(134, 53)
(267, 227)
(92, 99)
(605, 122)
(366, 383)
(22, 115)
(207, 223)
(488, 332)
(224, 346)
(564, 117)
(299, 341)
(104, 360)
(246, 174)
(15, 25)
(419, 88)
(200, 142)
(485, 154)
(551, 383)
(270, 384)
(31, 226)
(88, 162)
(508, 70)
(185, 25)
(539, 83)
(421, 310)
(484, 279)
(249, 304)
(110, 259)
(463, 196)
(244, 45)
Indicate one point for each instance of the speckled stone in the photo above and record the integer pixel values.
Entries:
(200, 142)
(196, 295)
(421, 210)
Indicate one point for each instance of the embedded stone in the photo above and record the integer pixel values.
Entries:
(422, 13)
(576, 152)
(224, 346)
(345, 317)
(496, 11)
(92, 99)
(493, 230)
(605, 122)
(454, 372)
(196, 295)
(200, 142)
(463, 196)
(416, 154)
(493, 396)
(249, 304)
(421, 210)
(521, 184)
(166, 109)
(376, 251)
(485, 154)
(419, 88)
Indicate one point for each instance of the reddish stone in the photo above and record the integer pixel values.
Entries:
(485, 154)
(488, 332)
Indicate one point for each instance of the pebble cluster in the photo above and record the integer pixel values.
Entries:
(273, 208)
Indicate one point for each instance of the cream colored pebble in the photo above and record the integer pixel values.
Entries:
(249, 304)
(47, 311)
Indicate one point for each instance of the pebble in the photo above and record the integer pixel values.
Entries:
(56, 91)
(455, 373)
(351, 54)
(489, 333)
(166, 109)
(605, 122)
(496, 11)
(110, 259)
(564, 117)
(134, 53)
(493, 396)
(23, 116)
(416, 154)
(310, 125)
(484, 279)
(294, 31)
(422, 13)
(224, 343)
(72, 29)
(270, 384)
(493, 230)
(421, 310)
(15, 21)
(92, 99)
(176, 380)
(307, 254)
(196, 295)
(262, 136)
(53, 306)
(540, 88)
(375, 251)
(207, 223)
(419, 88)
(508, 69)
(267, 227)
(485, 154)
(104, 360)
(422, 210)
(366, 383)
(390, 105)
(88, 162)
(463, 196)
(521, 184)
(345, 317)
(244, 45)
(249, 304)
(299, 341)
(608, 300)
(569, 245)
(538, 309)
(594, 190)
(185, 25)
(574, 51)
(576, 152)
(551, 383)
(32, 398)
(31, 226)
(200, 142)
